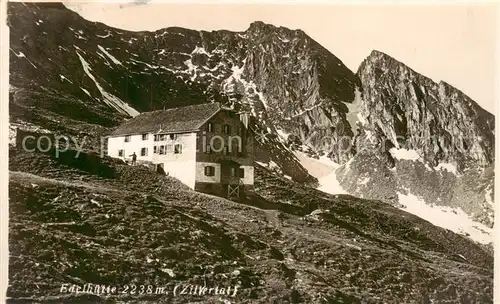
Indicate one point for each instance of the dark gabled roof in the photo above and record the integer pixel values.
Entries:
(175, 120)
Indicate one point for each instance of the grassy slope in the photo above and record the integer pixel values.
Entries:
(117, 224)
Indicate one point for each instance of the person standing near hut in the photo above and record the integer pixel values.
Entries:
(134, 158)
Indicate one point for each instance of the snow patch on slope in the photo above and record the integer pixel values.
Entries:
(249, 86)
(282, 134)
(86, 91)
(364, 181)
(65, 78)
(448, 167)
(115, 61)
(454, 219)
(285, 40)
(21, 55)
(404, 154)
(330, 184)
(108, 98)
(104, 36)
(324, 170)
(200, 50)
(237, 71)
(154, 67)
(354, 111)
(488, 195)
(326, 160)
(191, 68)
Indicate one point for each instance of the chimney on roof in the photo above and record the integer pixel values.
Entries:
(244, 113)
(245, 118)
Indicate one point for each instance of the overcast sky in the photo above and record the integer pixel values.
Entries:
(455, 43)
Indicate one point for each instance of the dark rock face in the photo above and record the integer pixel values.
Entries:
(102, 67)
(304, 85)
(403, 110)
(438, 121)
(367, 175)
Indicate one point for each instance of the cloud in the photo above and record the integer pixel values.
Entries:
(135, 3)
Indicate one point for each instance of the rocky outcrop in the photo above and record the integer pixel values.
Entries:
(306, 88)
(420, 138)
(367, 175)
(437, 120)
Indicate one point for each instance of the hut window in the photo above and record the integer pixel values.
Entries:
(209, 170)
(178, 149)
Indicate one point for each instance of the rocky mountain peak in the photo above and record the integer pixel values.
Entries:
(380, 55)
(380, 59)
(267, 28)
(384, 65)
(260, 25)
(435, 119)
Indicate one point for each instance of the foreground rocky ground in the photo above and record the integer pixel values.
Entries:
(100, 221)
